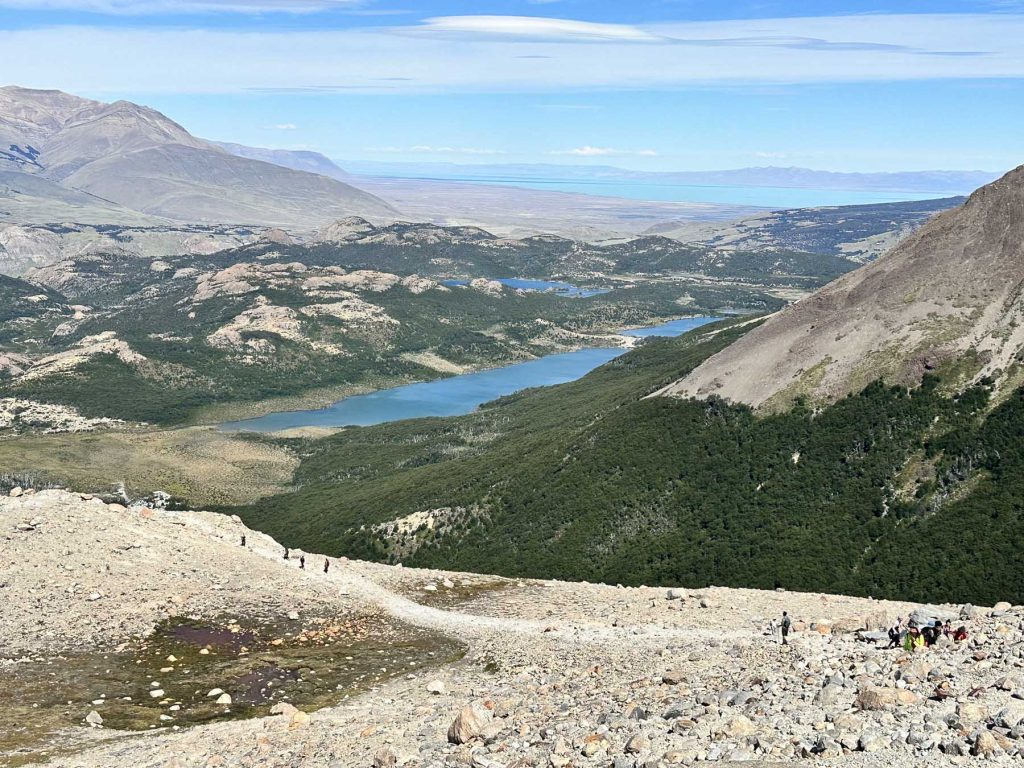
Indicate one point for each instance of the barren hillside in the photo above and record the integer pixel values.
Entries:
(949, 295)
(96, 595)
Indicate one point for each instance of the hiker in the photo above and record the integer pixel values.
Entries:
(302, 562)
(786, 624)
(894, 636)
(947, 629)
(286, 553)
(928, 633)
(243, 539)
(914, 640)
(960, 635)
(327, 565)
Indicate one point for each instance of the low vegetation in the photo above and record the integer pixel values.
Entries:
(591, 480)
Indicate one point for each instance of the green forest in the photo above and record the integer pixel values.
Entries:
(892, 492)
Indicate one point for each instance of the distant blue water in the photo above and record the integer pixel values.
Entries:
(456, 395)
(765, 197)
(671, 328)
(562, 289)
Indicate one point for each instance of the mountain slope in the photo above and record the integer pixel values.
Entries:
(134, 156)
(948, 295)
(860, 232)
(891, 491)
(27, 198)
(297, 160)
(885, 493)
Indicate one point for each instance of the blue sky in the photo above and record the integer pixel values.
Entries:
(647, 84)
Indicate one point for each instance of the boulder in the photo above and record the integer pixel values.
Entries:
(673, 677)
(594, 743)
(283, 708)
(926, 617)
(1009, 715)
(985, 744)
(828, 696)
(740, 727)
(224, 698)
(675, 594)
(872, 698)
(469, 723)
(872, 741)
(971, 712)
(636, 744)
(1000, 607)
(94, 719)
(385, 758)
(16, 491)
(435, 687)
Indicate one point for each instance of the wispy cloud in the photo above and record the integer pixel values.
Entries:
(577, 56)
(152, 7)
(588, 151)
(536, 28)
(424, 149)
(283, 127)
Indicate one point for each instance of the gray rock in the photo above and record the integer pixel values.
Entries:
(872, 741)
(469, 723)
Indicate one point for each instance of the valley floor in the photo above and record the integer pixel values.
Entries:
(564, 674)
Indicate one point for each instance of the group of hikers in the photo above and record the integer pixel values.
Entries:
(302, 558)
(915, 637)
(910, 638)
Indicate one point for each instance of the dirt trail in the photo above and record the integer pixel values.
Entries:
(576, 675)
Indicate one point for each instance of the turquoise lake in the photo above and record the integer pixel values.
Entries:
(456, 395)
(554, 286)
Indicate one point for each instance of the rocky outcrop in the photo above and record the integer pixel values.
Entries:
(19, 415)
(105, 343)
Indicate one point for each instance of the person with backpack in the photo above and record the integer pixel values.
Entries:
(914, 640)
(894, 636)
(787, 623)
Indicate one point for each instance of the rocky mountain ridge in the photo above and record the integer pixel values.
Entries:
(949, 296)
(133, 156)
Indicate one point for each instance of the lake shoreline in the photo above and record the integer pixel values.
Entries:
(277, 422)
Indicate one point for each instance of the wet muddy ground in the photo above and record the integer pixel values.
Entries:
(187, 670)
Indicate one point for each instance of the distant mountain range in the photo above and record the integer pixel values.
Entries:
(924, 182)
(297, 160)
(66, 158)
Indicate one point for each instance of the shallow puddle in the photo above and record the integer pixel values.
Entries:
(166, 680)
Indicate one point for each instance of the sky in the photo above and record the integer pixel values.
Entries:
(846, 85)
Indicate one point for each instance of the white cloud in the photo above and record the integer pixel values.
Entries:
(747, 53)
(588, 151)
(421, 149)
(149, 7)
(536, 28)
(284, 127)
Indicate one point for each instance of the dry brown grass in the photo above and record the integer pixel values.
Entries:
(199, 464)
